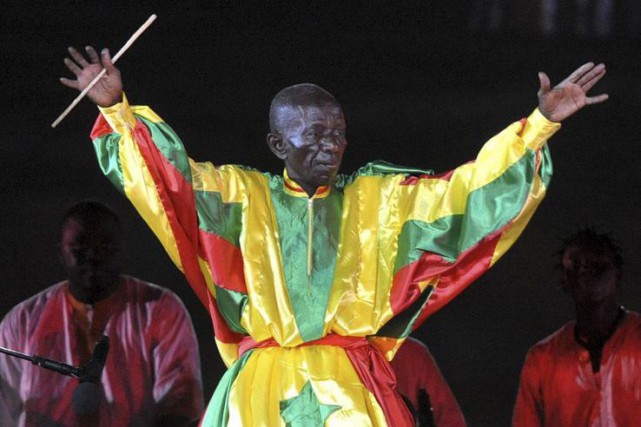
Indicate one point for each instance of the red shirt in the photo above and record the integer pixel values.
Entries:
(152, 367)
(559, 388)
(416, 369)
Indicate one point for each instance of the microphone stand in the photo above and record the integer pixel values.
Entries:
(82, 373)
(52, 365)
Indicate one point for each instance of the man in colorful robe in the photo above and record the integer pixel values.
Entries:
(314, 279)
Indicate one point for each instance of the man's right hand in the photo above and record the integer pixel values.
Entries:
(105, 93)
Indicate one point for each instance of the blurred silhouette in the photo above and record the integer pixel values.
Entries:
(151, 374)
(420, 381)
(589, 371)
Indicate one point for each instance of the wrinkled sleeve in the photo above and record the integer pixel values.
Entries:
(194, 209)
(177, 386)
(528, 408)
(10, 372)
(453, 227)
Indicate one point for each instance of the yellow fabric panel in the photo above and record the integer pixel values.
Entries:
(269, 313)
(273, 374)
(359, 301)
(387, 346)
(137, 181)
(496, 156)
(514, 230)
(228, 352)
(538, 130)
(206, 270)
(229, 181)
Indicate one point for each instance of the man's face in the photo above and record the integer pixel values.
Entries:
(315, 139)
(590, 277)
(90, 256)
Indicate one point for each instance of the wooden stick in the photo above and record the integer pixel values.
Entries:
(122, 50)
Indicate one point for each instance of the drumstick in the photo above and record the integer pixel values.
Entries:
(122, 50)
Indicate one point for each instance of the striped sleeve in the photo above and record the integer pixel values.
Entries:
(455, 226)
(192, 208)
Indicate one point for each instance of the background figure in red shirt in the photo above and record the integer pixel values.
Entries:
(151, 374)
(588, 373)
(420, 382)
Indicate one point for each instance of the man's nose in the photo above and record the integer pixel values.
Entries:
(330, 143)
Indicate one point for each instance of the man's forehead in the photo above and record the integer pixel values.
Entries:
(581, 254)
(312, 112)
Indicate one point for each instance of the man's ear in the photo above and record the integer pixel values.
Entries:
(277, 144)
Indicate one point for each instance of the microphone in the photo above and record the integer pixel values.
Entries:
(92, 371)
(87, 395)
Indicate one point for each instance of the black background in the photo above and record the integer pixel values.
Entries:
(418, 88)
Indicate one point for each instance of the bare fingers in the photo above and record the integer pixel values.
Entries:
(69, 83)
(591, 100)
(73, 67)
(77, 56)
(594, 76)
(544, 80)
(93, 55)
(579, 72)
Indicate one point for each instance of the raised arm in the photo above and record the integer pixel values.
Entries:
(455, 226)
(192, 208)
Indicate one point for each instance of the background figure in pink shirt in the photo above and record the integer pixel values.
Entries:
(151, 375)
(588, 373)
(420, 382)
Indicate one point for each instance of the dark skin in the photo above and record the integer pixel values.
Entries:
(313, 161)
(91, 255)
(311, 142)
(593, 281)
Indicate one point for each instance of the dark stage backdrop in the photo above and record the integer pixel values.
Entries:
(417, 88)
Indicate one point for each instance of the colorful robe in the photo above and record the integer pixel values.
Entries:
(308, 296)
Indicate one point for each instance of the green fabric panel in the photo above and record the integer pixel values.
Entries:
(379, 167)
(216, 217)
(305, 410)
(170, 145)
(309, 300)
(546, 170)
(231, 305)
(400, 325)
(489, 208)
(107, 149)
(217, 413)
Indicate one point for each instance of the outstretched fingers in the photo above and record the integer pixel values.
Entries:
(592, 78)
(93, 55)
(591, 100)
(579, 73)
(73, 67)
(69, 83)
(106, 59)
(77, 56)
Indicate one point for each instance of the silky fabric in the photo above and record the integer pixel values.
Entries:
(369, 256)
(559, 388)
(152, 367)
